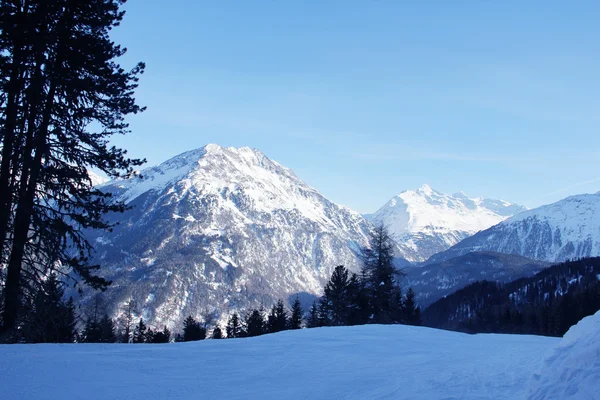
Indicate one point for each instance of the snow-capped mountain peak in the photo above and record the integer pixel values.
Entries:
(566, 229)
(427, 221)
(218, 229)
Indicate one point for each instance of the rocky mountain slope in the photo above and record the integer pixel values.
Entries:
(567, 229)
(425, 222)
(217, 229)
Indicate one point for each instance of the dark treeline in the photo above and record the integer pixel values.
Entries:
(374, 296)
(548, 303)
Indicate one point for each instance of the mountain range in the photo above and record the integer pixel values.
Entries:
(219, 229)
(566, 229)
(425, 222)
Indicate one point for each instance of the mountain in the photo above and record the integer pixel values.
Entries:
(220, 229)
(436, 280)
(425, 222)
(567, 229)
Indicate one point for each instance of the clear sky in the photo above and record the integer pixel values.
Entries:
(364, 99)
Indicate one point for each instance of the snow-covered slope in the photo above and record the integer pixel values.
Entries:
(567, 229)
(425, 221)
(217, 229)
(572, 369)
(97, 179)
(361, 362)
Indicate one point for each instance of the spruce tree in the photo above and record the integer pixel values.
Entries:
(63, 97)
(126, 321)
(313, 316)
(277, 320)
(192, 330)
(379, 275)
(50, 319)
(255, 323)
(337, 297)
(412, 312)
(234, 326)
(296, 317)
(217, 333)
(140, 332)
(163, 336)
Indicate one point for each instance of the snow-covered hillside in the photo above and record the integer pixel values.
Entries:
(571, 370)
(361, 362)
(425, 221)
(218, 229)
(567, 229)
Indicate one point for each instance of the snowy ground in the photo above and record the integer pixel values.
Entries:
(366, 362)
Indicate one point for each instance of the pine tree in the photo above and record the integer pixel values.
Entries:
(337, 298)
(277, 320)
(140, 332)
(255, 323)
(126, 321)
(296, 317)
(59, 81)
(234, 327)
(51, 319)
(323, 313)
(192, 330)
(412, 312)
(216, 333)
(163, 336)
(313, 316)
(380, 276)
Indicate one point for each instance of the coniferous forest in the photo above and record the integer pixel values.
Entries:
(548, 303)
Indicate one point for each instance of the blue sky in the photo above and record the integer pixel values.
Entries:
(364, 99)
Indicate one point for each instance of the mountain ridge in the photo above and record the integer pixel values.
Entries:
(566, 229)
(426, 221)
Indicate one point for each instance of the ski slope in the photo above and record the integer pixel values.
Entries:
(364, 362)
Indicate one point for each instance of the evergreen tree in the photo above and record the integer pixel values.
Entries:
(149, 336)
(277, 320)
(412, 312)
(234, 327)
(192, 330)
(313, 316)
(296, 317)
(216, 333)
(163, 336)
(323, 313)
(99, 330)
(360, 309)
(337, 300)
(380, 276)
(126, 321)
(140, 332)
(255, 323)
(51, 319)
(59, 81)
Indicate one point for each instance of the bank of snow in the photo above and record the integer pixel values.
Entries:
(572, 369)
(364, 362)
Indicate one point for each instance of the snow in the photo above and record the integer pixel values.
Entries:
(571, 370)
(427, 221)
(566, 229)
(413, 211)
(363, 362)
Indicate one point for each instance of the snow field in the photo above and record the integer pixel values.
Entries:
(362, 362)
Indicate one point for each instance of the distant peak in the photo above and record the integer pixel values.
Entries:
(212, 147)
(426, 189)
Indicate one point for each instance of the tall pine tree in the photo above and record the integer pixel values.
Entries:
(380, 277)
(295, 321)
(64, 97)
